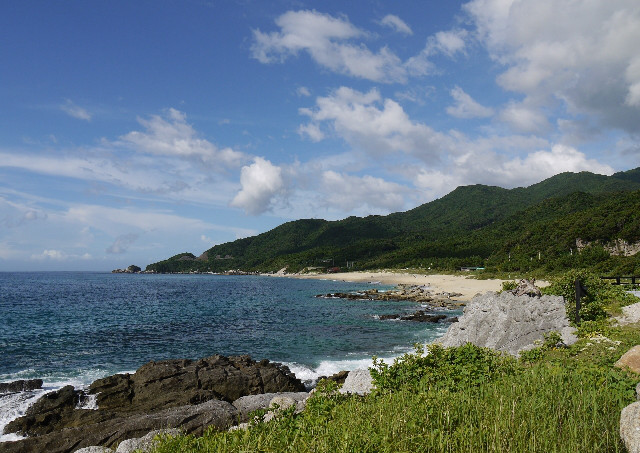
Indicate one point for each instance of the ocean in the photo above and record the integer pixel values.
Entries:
(75, 327)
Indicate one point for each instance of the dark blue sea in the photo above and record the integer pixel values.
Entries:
(74, 327)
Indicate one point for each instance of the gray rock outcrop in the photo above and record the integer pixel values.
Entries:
(359, 382)
(250, 403)
(95, 449)
(630, 314)
(509, 323)
(145, 443)
(630, 427)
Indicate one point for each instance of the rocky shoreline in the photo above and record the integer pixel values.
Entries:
(185, 394)
(404, 293)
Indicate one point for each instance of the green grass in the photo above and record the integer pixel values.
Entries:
(567, 401)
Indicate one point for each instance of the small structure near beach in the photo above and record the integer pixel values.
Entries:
(509, 323)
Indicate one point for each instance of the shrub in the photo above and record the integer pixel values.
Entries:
(441, 367)
(509, 285)
(600, 295)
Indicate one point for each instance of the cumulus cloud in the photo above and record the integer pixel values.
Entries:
(122, 243)
(583, 53)
(524, 119)
(375, 125)
(75, 111)
(488, 167)
(397, 24)
(466, 107)
(303, 92)
(51, 254)
(312, 131)
(327, 40)
(261, 183)
(171, 135)
(366, 193)
(449, 43)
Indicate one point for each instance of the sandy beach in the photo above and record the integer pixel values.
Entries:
(466, 286)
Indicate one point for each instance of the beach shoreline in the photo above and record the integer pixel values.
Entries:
(467, 286)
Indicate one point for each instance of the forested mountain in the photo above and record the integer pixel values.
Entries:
(564, 221)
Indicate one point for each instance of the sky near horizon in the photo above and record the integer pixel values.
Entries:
(131, 131)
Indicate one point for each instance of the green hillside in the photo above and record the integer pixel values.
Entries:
(517, 229)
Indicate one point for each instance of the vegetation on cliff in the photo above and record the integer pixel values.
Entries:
(566, 221)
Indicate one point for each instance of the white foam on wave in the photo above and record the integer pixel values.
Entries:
(14, 405)
(309, 375)
(90, 402)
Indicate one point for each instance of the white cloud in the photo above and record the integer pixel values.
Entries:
(583, 53)
(326, 39)
(207, 240)
(524, 119)
(488, 167)
(396, 23)
(466, 107)
(312, 131)
(122, 243)
(75, 111)
(303, 92)
(261, 183)
(51, 254)
(376, 125)
(448, 43)
(171, 135)
(365, 194)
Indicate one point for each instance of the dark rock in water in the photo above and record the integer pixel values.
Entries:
(152, 389)
(384, 317)
(423, 316)
(189, 419)
(419, 316)
(20, 386)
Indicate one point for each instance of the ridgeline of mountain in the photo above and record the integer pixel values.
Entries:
(571, 219)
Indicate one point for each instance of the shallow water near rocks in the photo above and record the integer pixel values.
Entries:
(73, 328)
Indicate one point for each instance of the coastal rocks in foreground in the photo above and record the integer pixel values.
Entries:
(186, 394)
(408, 293)
(20, 386)
(509, 323)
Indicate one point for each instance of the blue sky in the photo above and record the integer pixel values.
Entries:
(134, 130)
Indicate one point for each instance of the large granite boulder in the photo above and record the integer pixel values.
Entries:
(630, 427)
(250, 403)
(138, 399)
(359, 382)
(630, 360)
(509, 323)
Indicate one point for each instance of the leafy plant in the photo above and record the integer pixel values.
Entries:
(441, 367)
(599, 297)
